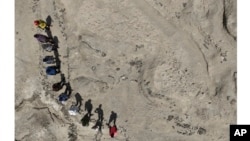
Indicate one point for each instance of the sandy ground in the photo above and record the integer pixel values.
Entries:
(167, 68)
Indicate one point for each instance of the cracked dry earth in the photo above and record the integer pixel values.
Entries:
(167, 68)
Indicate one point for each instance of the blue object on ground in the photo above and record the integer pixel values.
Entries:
(51, 70)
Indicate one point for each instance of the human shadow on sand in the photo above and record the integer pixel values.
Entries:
(78, 100)
(88, 107)
(99, 111)
(112, 117)
(59, 85)
(85, 120)
(48, 22)
(68, 89)
(66, 94)
(98, 125)
(56, 53)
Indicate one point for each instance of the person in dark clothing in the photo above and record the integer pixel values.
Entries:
(78, 100)
(43, 39)
(99, 111)
(88, 107)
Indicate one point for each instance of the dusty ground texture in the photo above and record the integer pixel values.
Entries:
(166, 67)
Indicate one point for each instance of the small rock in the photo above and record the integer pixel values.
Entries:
(170, 117)
(104, 54)
(201, 131)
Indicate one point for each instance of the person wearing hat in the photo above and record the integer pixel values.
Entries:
(41, 24)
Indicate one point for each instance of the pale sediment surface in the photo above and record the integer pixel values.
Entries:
(167, 68)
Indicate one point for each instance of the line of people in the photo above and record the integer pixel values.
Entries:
(49, 45)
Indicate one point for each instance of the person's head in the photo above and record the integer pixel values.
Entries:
(36, 22)
(100, 106)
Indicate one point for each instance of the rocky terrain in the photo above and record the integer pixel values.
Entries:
(167, 68)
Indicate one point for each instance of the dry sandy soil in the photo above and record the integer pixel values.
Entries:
(166, 67)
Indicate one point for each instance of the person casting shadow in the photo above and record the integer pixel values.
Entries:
(88, 107)
(78, 100)
(112, 117)
(99, 111)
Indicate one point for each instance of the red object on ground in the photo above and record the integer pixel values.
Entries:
(112, 131)
(36, 22)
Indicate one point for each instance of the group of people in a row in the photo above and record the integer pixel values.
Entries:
(48, 44)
